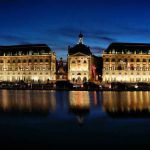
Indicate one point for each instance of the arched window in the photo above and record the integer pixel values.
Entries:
(138, 60)
(85, 79)
(19, 61)
(35, 60)
(14, 61)
(119, 67)
(41, 60)
(24, 61)
(144, 60)
(73, 62)
(1, 61)
(46, 60)
(30, 61)
(126, 60)
(85, 62)
(113, 60)
(132, 60)
(107, 60)
(132, 67)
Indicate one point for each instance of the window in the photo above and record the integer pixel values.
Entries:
(113, 60)
(14, 61)
(19, 61)
(126, 60)
(30, 61)
(138, 60)
(46, 60)
(85, 62)
(132, 60)
(144, 60)
(107, 60)
(24, 61)
(41, 60)
(35, 60)
(73, 62)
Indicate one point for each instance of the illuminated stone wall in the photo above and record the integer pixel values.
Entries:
(79, 68)
(29, 68)
(129, 68)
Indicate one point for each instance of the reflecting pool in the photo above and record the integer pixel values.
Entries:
(74, 117)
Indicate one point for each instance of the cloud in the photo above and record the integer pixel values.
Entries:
(134, 31)
(9, 38)
(71, 33)
(14, 39)
(97, 50)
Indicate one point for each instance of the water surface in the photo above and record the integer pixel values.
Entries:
(74, 117)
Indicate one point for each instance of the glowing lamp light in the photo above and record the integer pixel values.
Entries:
(35, 78)
(136, 86)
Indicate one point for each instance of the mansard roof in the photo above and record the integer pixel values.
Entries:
(128, 47)
(79, 48)
(24, 49)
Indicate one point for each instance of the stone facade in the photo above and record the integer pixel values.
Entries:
(129, 63)
(34, 63)
(81, 66)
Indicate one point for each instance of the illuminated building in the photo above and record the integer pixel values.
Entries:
(30, 63)
(126, 62)
(81, 63)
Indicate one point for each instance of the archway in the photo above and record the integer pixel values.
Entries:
(79, 79)
(85, 79)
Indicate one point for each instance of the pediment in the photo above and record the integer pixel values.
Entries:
(79, 54)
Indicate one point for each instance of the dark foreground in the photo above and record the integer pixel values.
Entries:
(49, 117)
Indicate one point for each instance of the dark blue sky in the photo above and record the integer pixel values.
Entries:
(58, 22)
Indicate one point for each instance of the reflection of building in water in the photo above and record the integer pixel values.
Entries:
(126, 103)
(28, 102)
(79, 104)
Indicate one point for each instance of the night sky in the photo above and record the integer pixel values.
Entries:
(59, 22)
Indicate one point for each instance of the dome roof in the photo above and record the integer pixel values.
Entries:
(79, 48)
